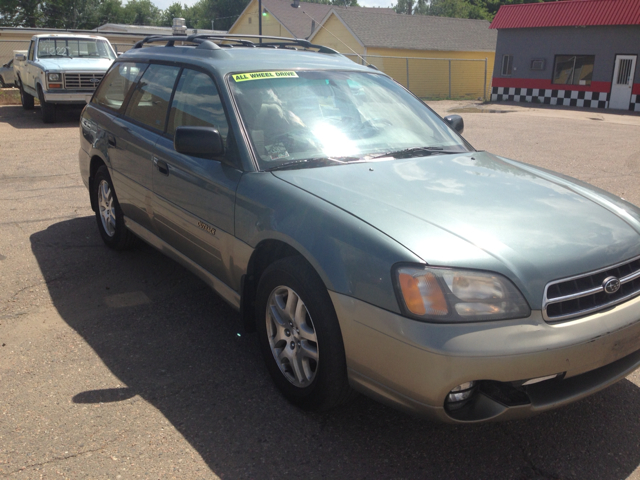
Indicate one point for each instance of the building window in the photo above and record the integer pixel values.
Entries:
(537, 64)
(507, 65)
(573, 69)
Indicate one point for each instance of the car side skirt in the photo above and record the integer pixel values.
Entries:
(228, 294)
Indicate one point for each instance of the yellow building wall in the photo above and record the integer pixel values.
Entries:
(426, 78)
(342, 40)
(248, 23)
(430, 78)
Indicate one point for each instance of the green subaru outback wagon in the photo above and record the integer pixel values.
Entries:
(368, 244)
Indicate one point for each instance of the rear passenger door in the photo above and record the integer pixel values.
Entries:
(134, 137)
(195, 197)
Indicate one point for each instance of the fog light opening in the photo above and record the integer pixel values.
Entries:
(460, 395)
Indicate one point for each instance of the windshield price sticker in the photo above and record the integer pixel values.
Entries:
(244, 77)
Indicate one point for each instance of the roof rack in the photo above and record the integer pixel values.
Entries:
(207, 42)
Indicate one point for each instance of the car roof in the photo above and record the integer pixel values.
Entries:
(245, 59)
(67, 35)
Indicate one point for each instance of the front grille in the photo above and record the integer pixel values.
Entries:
(82, 81)
(584, 294)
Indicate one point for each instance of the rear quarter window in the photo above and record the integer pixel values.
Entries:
(116, 85)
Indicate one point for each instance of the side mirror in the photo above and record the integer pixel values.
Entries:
(20, 57)
(455, 122)
(204, 142)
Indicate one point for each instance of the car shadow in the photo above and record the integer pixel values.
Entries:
(16, 116)
(178, 346)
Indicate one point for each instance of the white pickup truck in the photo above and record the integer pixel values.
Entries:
(61, 69)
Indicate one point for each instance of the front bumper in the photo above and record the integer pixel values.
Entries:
(414, 365)
(68, 97)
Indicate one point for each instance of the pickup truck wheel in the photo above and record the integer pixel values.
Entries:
(109, 216)
(48, 109)
(26, 99)
(300, 336)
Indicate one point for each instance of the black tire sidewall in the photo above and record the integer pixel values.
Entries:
(47, 109)
(25, 99)
(330, 381)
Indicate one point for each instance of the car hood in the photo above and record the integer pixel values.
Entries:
(476, 210)
(77, 64)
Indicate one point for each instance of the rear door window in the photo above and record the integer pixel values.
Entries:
(150, 100)
(116, 85)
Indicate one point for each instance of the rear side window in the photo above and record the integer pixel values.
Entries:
(116, 85)
(150, 100)
(197, 104)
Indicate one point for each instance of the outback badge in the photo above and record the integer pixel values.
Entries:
(207, 228)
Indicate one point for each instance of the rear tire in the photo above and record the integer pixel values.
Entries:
(26, 99)
(109, 216)
(48, 109)
(300, 336)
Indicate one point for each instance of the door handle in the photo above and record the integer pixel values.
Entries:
(111, 139)
(163, 167)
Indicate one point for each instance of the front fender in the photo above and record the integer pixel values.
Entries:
(351, 257)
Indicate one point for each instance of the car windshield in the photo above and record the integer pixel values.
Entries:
(337, 116)
(74, 47)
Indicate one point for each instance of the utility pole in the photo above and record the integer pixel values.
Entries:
(260, 19)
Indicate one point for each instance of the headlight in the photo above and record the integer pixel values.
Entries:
(53, 77)
(453, 296)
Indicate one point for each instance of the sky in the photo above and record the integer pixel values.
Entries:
(363, 3)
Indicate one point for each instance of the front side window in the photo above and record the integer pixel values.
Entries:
(150, 100)
(116, 85)
(196, 103)
(305, 115)
(507, 65)
(74, 47)
(573, 69)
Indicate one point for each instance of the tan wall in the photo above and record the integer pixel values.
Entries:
(430, 78)
(341, 36)
(248, 24)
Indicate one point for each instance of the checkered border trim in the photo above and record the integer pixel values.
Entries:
(634, 106)
(571, 98)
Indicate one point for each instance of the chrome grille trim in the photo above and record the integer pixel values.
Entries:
(594, 295)
(82, 81)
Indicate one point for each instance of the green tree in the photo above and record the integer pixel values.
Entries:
(20, 13)
(109, 11)
(141, 12)
(175, 10)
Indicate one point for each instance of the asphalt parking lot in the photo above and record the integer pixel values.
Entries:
(125, 365)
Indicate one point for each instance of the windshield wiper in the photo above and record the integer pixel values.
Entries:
(313, 162)
(414, 151)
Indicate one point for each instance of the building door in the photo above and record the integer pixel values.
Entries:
(622, 82)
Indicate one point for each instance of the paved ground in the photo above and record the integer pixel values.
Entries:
(127, 366)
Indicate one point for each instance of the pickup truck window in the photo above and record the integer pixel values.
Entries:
(150, 101)
(30, 54)
(116, 85)
(74, 47)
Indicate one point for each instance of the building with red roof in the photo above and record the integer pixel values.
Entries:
(579, 52)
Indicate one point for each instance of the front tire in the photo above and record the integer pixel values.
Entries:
(48, 109)
(26, 99)
(300, 336)
(109, 215)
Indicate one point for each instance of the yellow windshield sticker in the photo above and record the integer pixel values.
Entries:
(243, 77)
